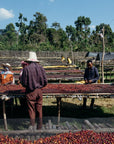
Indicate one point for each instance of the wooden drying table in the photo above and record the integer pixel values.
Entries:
(57, 91)
(59, 75)
(60, 78)
(67, 71)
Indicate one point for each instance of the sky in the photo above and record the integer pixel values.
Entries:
(64, 12)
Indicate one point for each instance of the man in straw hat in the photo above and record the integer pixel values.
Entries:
(33, 79)
(6, 76)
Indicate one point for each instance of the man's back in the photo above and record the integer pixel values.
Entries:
(33, 76)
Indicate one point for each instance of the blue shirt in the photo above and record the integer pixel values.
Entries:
(91, 74)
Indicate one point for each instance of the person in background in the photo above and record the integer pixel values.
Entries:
(62, 59)
(22, 99)
(7, 78)
(6, 75)
(23, 64)
(33, 79)
(69, 61)
(91, 75)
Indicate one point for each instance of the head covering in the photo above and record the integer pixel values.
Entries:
(7, 65)
(23, 63)
(32, 57)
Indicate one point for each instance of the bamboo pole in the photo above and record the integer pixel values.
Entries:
(72, 53)
(102, 62)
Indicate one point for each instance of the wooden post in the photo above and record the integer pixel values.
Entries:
(106, 74)
(102, 62)
(110, 76)
(4, 116)
(100, 69)
(72, 53)
(59, 80)
(58, 107)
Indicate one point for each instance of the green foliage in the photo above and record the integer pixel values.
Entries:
(71, 32)
(38, 37)
(46, 47)
(2, 46)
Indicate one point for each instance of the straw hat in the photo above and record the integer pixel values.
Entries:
(7, 65)
(32, 57)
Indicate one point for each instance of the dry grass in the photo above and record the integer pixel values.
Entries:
(105, 102)
(72, 107)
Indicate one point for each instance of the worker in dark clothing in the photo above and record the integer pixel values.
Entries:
(91, 75)
(33, 79)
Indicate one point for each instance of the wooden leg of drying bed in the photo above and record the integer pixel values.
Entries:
(4, 116)
(60, 81)
(58, 108)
